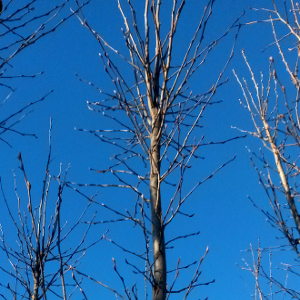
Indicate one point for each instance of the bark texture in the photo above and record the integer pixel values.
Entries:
(159, 268)
(283, 177)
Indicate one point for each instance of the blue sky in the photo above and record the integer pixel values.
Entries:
(226, 219)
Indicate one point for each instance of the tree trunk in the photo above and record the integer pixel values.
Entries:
(36, 279)
(159, 268)
(283, 177)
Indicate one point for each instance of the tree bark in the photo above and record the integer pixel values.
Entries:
(159, 267)
(283, 177)
(36, 279)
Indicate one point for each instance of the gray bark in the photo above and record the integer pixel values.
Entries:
(159, 267)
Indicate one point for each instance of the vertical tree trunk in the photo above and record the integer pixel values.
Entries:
(159, 268)
(36, 279)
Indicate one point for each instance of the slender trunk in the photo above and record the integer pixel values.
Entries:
(159, 268)
(283, 178)
(36, 279)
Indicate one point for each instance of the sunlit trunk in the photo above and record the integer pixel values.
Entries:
(159, 268)
(36, 280)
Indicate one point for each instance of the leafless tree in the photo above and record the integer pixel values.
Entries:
(22, 24)
(157, 125)
(273, 105)
(42, 258)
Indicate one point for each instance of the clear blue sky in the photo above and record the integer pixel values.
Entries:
(226, 219)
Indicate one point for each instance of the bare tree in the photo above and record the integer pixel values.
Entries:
(157, 125)
(41, 260)
(22, 25)
(273, 105)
